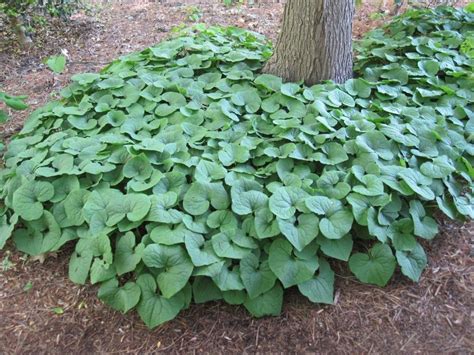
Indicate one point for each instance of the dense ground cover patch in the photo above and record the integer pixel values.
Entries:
(181, 172)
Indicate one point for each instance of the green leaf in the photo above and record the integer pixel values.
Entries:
(429, 93)
(266, 225)
(256, 276)
(28, 286)
(358, 87)
(200, 250)
(417, 182)
(375, 142)
(222, 220)
(161, 211)
(122, 298)
(338, 221)
(244, 203)
(229, 111)
(208, 171)
(291, 268)
(56, 63)
(63, 186)
(269, 82)
(6, 228)
(40, 236)
(336, 248)
(248, 98)
(171, 182)
(373, 186)
(283, 202)
(28, 199)
(323, 205)
(108, 204)
(115, 118)
(424, 226)
(174, 102)
(227, 279)
(438, 169)
(226, 245)
(399, 73)
(320, 289)
(74, 205)
(58, 310)
(272, 103)
(200, 196)
(376, 267)
(375, 228)
(169, 235)
(3, 118)
(79, 266)
(15, 102)
(336, 225)
(127, 254)
(339, 98)
(360, 207)
(267, 304)
(205, 290)
(139, 205)
(234, 297)
(138, 167)
(233, 153)
(330, 185)
(101, 271)
(401, 233)
(412, 262)
(154, 309)
(174, 264)
(333, 154)
(299, 231)
(85, 78)
(111, 83)
(290, 89)
(429, 67)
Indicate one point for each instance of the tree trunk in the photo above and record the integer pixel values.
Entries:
(17, 25)
(315, 42)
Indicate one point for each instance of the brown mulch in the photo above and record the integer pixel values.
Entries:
(52, 315)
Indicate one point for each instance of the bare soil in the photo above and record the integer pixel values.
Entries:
(41, 311)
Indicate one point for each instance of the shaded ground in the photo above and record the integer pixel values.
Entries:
(42, 311)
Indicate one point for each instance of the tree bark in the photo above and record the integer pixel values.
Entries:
(17, 25)
(315, 42)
